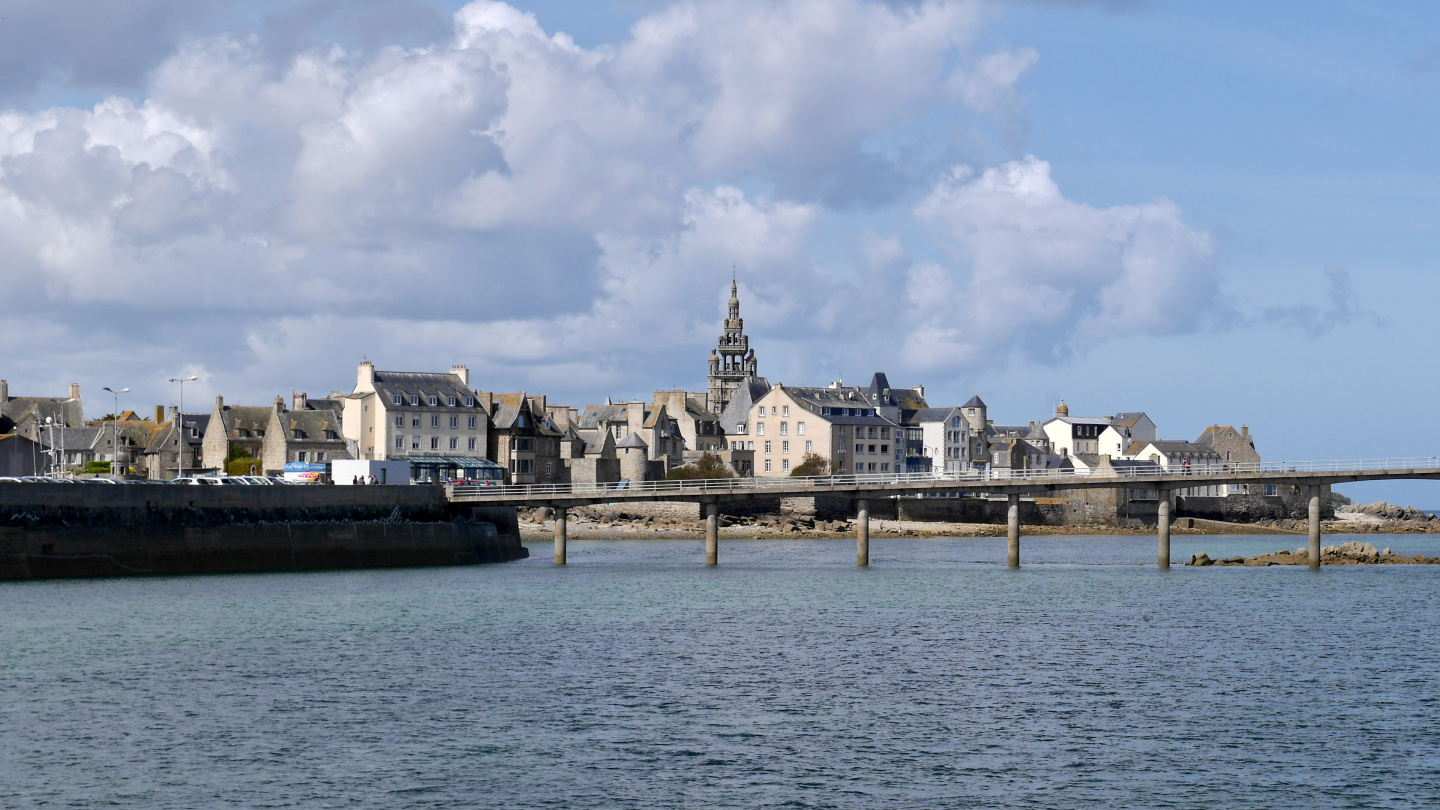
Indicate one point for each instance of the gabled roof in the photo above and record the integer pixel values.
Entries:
(737, 411)
(817, 399)
(71, 438)
(310, 426)
(1128, 419)
(596, 416)
(934, 414)
(253, 418)
(161, 437)
(422, 384)
(974, 402)
(327, 405)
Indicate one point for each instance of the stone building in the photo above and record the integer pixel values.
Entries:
(836, 423)
(660, 432)
(312, 435)
(160, 454)
(237, 427)
(733, 360)
(1233, 447)
(524, 438)
(26, 415)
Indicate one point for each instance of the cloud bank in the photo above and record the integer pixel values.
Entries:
(565, 218)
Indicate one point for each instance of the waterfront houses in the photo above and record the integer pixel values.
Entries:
(432, 419)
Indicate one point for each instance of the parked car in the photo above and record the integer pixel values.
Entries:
(8, 480)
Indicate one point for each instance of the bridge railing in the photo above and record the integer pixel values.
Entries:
(1120, 474)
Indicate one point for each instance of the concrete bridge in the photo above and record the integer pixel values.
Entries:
(1312, 475)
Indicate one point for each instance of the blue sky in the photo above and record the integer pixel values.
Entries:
(1235, 221)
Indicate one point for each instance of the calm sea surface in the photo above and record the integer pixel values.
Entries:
(634, 677)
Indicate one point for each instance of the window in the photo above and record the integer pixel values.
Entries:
(396, 399)
(399, 442)
(800, 428)
(785, 465)
(884, 433)
(527, 466)
(414, 399)
(872, 466)
(767, 447)
(399, 420)
(434, 442)
(472, 423)
(319, 456)
(1227, 455)
(414, 442)
(472, 443)
(330, 434)
(415, 420)
(784, 447)
(450, 401)
(434, 400)
(859, 448)
(784, 428)
(435, 420)
(454, 421)
(872, 448)
(760, 411)
(884, 448)
(300, 455)
(740, 428)
(884, 468)
(469, 402)
(784, 410)
(749, 445)
(525, 444)
(454, 442)
(809, 446)
(549, 468)
(759, 428)
(954, 421)
(767, 465)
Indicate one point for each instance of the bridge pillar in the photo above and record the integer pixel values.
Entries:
(1163, 524)
(1012, 519)
(560, 535)
(1314, 493)
(862, 532)
(712, 534)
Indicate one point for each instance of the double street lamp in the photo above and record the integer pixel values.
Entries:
(115, 428)
(180, 427)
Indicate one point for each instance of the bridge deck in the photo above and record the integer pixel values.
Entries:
(1308, 473)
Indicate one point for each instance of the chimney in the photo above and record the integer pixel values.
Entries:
(1244, 430)
(365, 378)
(279, 404)
(174, 411)
(920, 389)
(159, 414)
(463, 373)
(75, 391)
(301, 400)
(4, 392)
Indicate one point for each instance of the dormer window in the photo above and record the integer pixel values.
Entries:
(469, 402)
(450, 401)
(414, 399)
(330, 434)
(397, 399)
(434, 400)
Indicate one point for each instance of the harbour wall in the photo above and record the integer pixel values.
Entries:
(80, 530)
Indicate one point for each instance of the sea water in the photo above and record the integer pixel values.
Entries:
(785, 677)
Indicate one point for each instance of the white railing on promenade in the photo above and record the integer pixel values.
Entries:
(827, 483)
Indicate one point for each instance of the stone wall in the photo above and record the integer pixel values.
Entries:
(1288, 503)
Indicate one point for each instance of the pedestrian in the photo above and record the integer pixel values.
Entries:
(373, 479)
(354, 480)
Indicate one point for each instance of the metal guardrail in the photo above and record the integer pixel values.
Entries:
(827, 483)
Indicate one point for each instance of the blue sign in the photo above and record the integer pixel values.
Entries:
(301, 466)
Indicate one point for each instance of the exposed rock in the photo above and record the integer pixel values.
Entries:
(1352, 553)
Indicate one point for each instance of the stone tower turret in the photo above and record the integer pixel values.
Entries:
(732, 360)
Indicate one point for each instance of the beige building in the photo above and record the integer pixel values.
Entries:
(310, 435)
(836, 423)
(433, 419)
(237, 426)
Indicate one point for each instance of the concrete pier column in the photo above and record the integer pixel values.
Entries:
(862, 532)
(712, 534)
(1163, 524)
(1314, 528)
(560, 535)
(1012, 519)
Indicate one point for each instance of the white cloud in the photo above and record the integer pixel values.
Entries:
(1047, 275)
(504, 197)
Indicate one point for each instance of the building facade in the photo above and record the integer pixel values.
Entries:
(733, 360)
(435, 420)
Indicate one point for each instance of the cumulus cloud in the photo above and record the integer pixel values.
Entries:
(1342, 308)
(1041, 274)
(563, 218)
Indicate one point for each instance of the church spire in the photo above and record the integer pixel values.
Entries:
(733, 360)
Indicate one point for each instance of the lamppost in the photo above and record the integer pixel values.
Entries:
(115, 428)
(179, 427)
(50, 425)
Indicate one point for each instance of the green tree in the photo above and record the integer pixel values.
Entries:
(708, 467)
(237, 452)
(812, 465)
(244, 466)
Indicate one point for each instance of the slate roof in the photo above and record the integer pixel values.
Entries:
(881, 393)
(816, 399)
(71, 438)
(421, 384)
(1080, 420)
(310, 426)
(633, 440)
(934, 414)
(742, 402)
(251, 418)
(974, 402)
(1015, 431)
(1127, 419)
(331, 404)
(163, 431)
(597, 415)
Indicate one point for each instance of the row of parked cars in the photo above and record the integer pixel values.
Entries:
(230, 480)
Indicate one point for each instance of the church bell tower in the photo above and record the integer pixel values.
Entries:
(732, 360)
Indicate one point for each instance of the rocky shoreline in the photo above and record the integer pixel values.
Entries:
(1351, 553)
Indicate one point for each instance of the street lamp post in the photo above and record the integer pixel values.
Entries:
(115, 428)
(180, 427)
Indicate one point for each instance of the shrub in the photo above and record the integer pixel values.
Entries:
(237, 452)
(245, 466)
(709, 466)
(97, 466)
(812, 465)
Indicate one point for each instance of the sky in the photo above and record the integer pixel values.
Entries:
(1216, 213)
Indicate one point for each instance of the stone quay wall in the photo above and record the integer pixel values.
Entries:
(78, 530)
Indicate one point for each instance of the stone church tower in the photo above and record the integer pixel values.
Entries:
(732, 360)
